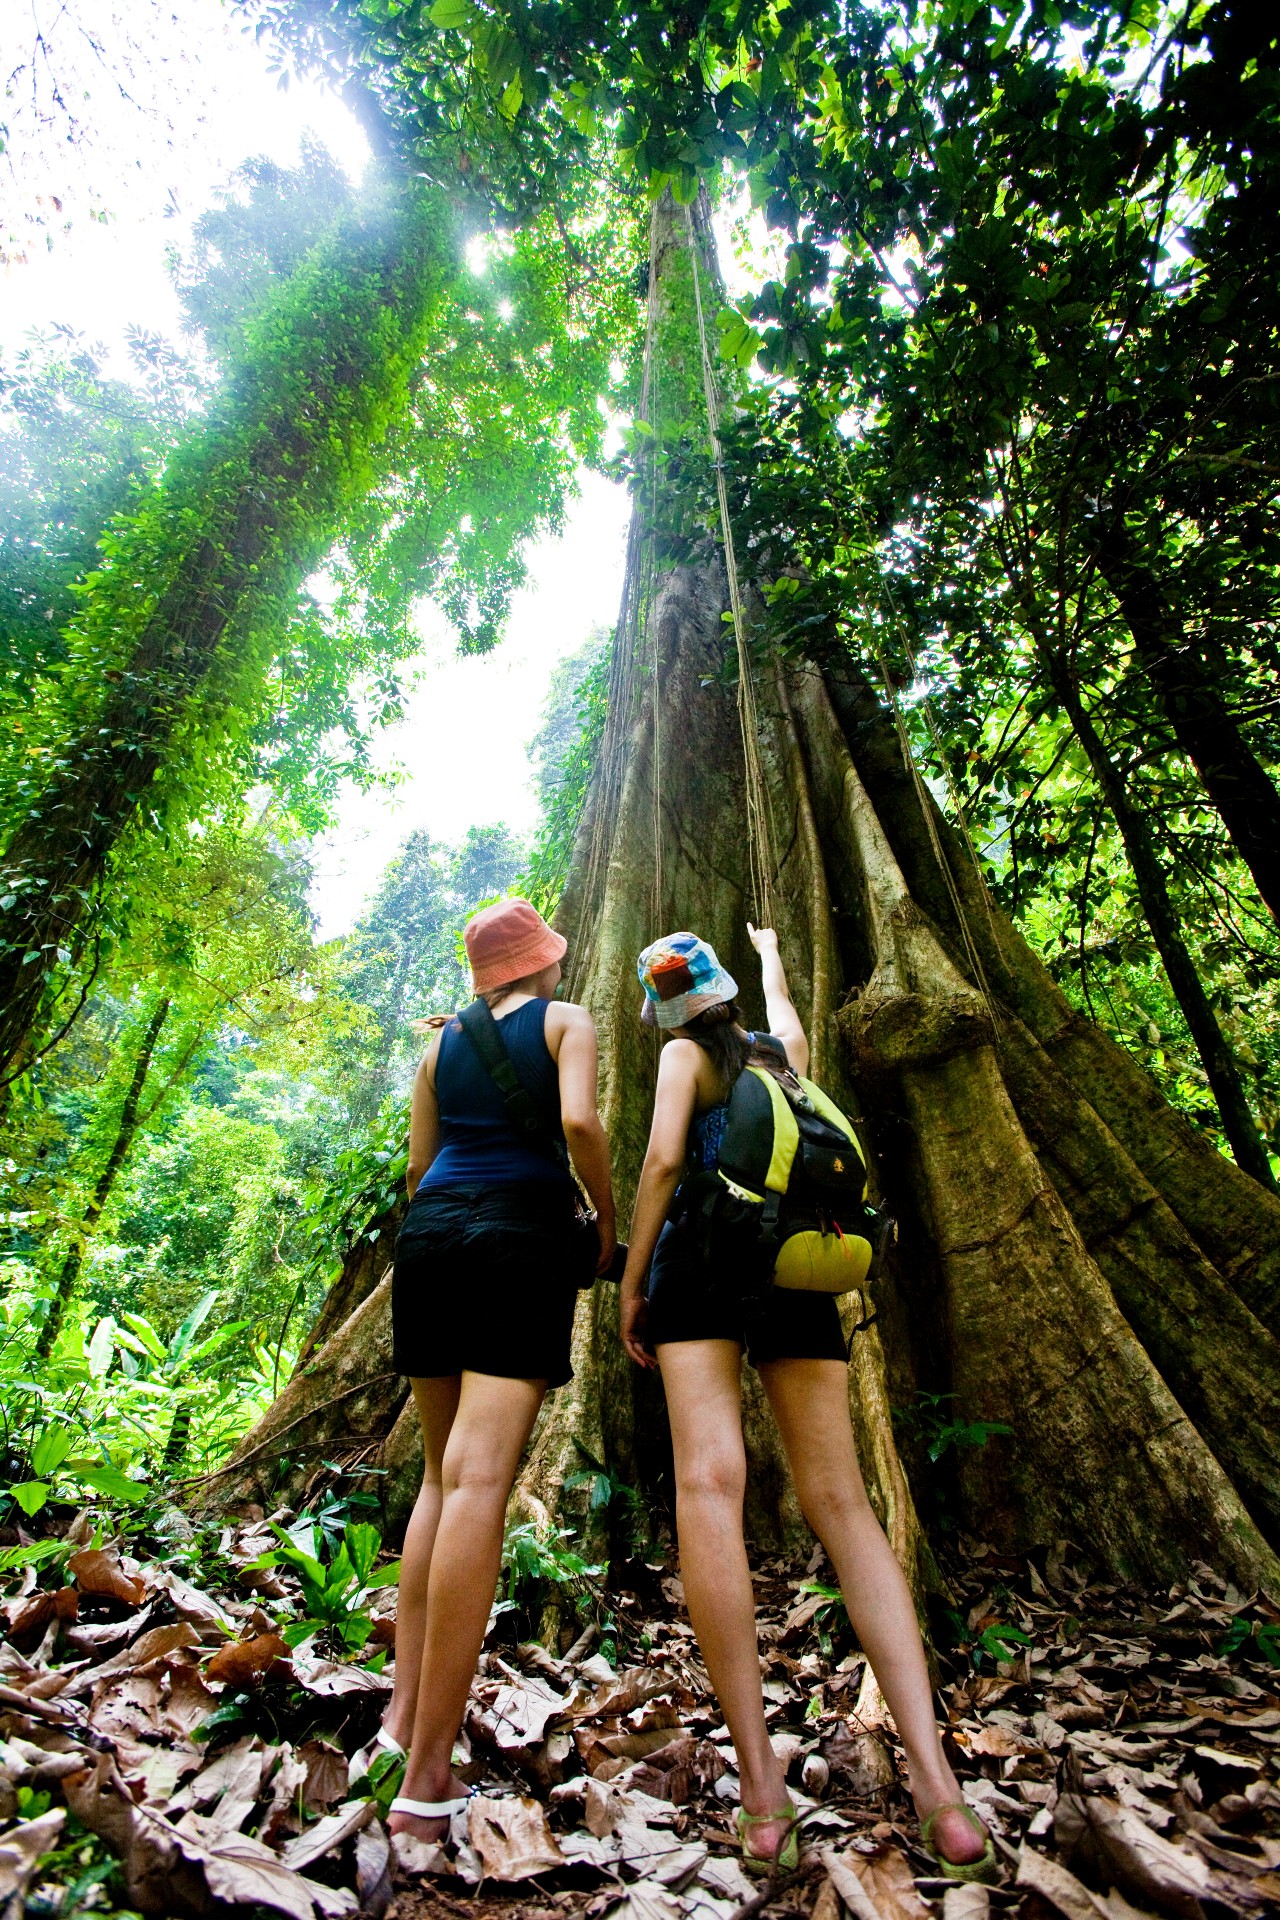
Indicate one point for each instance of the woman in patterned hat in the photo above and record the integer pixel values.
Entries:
(483, 1295)
(692, 1321)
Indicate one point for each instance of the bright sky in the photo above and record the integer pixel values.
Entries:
(201, 99)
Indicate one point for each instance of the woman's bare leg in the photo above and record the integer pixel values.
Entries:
(437, 1402)
(810, 1401)
(702, 1379)
(493, 1421)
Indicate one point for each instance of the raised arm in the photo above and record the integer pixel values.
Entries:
(780, 1010)
(664, 1160)
(578, 1059)
(424, 1118)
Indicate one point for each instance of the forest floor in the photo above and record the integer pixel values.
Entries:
(164, 1751)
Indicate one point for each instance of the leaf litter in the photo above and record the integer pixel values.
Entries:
(165, 1747)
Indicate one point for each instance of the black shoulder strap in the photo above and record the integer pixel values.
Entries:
(483, 1032)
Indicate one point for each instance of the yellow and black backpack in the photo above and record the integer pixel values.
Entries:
(791, 1181)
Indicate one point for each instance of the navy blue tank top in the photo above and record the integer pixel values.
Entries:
(478, 1146)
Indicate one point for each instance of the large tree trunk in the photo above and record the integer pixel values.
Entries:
(1073, 1261)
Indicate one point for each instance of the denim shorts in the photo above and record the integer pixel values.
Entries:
(483, 1283)
(691, 1298)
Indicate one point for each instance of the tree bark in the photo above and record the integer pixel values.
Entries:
(1245, 795)
(1233, 1220)
(125, 1131)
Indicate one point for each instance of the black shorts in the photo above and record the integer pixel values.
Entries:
(694, 1299)
(483, 1283)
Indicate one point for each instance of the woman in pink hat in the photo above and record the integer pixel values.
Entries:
(483, 1295)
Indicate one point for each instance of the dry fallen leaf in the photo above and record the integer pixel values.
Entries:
(511, 1838)
(328, 1834)
(888, 1881)
(1069, 1896)
(153, 1645)
(248, 1661)
(98, 1570)
(327, 1774)
(1146, 1866)
(20, 1850)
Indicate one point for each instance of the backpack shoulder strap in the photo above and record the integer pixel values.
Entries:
(482, 1031)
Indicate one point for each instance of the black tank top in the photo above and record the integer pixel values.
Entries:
(478, 1146)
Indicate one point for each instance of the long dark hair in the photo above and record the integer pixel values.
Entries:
(717, 1031)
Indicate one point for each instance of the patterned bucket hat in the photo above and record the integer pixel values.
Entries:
(681, 977)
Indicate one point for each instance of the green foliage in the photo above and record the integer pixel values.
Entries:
(997, 1642)
(534, 1559)
(831, 1621)
(609, 1499)
(117, 1412)
(1245, 1635)
(565, 750)
(335, 1587)
(930, 1423)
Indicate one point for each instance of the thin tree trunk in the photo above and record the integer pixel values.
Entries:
(1162, 918)
(106, 1180)
(1244, 794)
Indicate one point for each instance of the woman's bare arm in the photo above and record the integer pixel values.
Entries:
(424, 1118)
(780, 1010)
(664, 1160)
(577, 1057)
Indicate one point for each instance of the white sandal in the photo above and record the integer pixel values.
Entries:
(430, 1809)
(383, 1739)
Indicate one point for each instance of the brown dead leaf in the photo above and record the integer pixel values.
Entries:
(327, 1774)
(1147, 1867)
(158, 1877)
(248, 1662)
(328, 1834)
(848, 1884)
(887, 1880)
(330, 1678)
(30, 1619)
(154, 1645)
(98, 1570)
(287, 1790)
(20, 1851)
(188, 1701)
(1054, 1883)
(511, 1838)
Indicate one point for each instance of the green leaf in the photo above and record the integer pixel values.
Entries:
(101, 1347)
(30, 1495)
(452, 15)
(114, 1484)
(50, 1450)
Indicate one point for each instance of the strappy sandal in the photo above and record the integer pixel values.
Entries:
(786, 1859)
(984, 1868)
(430, 1809)
(383, 1739)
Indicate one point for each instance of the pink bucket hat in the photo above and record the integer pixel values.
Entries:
(508, 940)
